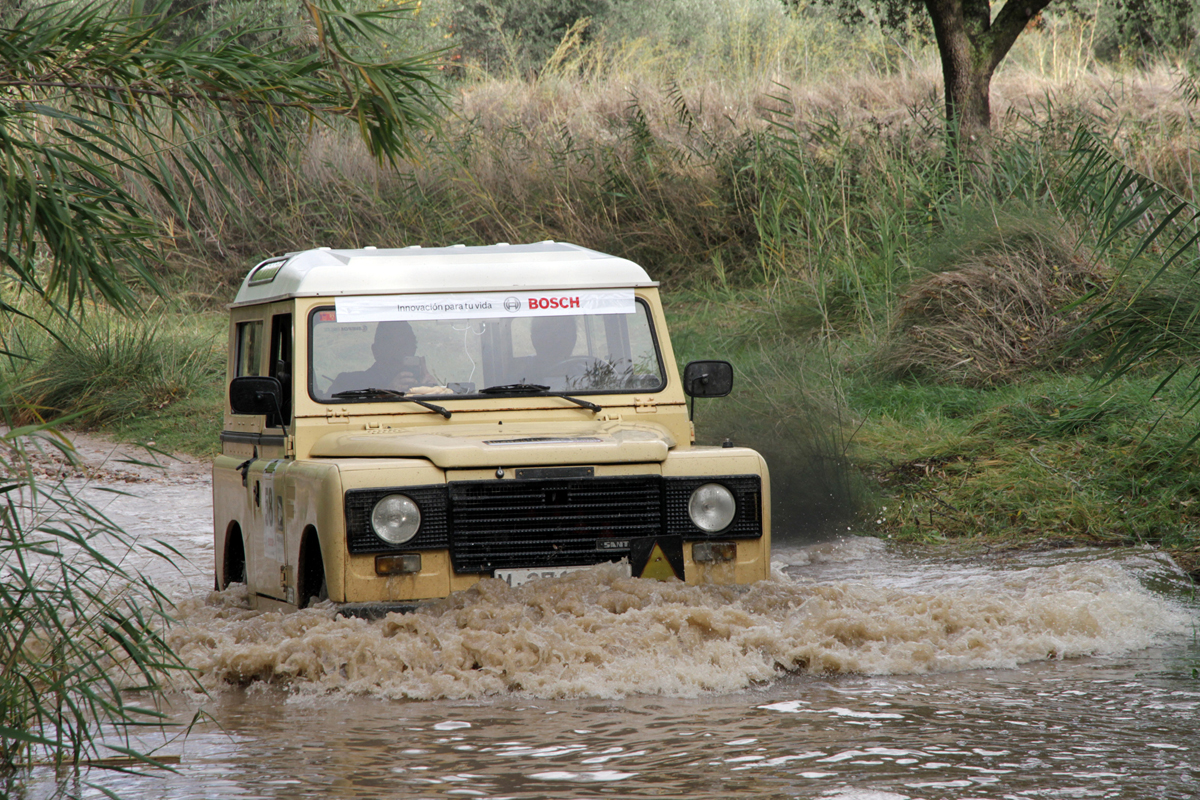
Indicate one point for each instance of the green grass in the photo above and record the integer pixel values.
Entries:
(1052, 458)
(154, 378)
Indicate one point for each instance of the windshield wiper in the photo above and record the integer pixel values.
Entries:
(392, 394)
(515, 388)
(537, 388)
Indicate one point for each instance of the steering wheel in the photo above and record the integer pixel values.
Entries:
(569, 369)
(574, 364)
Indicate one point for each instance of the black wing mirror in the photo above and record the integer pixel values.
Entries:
(708, 379)
(254, 394)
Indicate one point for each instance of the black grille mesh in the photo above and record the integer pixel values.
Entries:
(360, 538)
(556, 522)
(747, 491)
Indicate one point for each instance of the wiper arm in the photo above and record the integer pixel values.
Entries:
(515, 388)
(585, 403)
(392, 394)
(537, 388)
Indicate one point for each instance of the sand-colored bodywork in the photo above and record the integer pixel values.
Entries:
(293, 488)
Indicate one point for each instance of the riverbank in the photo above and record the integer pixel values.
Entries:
(1051, 461)
(927, 349)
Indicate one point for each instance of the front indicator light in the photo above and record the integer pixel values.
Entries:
(712, 507)
(714, 552)
(396, 519)
(407, 564)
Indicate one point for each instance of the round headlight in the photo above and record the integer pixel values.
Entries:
(396, 519)
(712, 507)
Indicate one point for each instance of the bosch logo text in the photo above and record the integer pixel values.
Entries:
(547, 303)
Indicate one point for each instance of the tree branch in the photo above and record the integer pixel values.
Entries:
(1007, 26)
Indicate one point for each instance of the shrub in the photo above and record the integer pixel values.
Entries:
(1006, 303)
(110, 369)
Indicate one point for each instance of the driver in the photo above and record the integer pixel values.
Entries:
(553, 340)
(397, 365)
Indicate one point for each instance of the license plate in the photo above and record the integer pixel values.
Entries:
(516, 577)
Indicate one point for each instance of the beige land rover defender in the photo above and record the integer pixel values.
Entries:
(403, 423)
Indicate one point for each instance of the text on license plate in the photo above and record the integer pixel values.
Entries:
(516, 577)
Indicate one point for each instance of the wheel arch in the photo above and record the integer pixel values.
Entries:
(233, 557)
(310, 576)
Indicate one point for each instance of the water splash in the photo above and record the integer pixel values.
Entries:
(600, 634)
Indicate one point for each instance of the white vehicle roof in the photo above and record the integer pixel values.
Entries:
(414, 270)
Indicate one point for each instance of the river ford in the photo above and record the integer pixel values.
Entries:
(859, 671)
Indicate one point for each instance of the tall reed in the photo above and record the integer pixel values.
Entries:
(82, 657)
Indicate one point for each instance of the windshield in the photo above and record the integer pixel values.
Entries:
(583, 353)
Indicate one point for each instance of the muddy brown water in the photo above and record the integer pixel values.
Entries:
(858, 672)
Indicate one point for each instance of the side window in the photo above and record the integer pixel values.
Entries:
(249, 348)
(279, 365)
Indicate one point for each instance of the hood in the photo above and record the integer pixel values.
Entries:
(505, 445)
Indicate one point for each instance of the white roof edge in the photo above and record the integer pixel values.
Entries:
(421, 270)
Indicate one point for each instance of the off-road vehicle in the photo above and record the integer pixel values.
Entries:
(403, 423)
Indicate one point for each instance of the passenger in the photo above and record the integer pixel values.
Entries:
(397, 365)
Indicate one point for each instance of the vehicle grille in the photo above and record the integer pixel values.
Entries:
(556, 522)
(552, 521)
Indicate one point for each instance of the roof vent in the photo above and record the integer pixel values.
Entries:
(458, 245)
(369, 247)
(324, 248)
(501, 244)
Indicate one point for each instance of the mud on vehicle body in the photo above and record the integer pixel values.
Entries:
(403, 423)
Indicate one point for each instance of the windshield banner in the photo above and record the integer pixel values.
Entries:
(485, 305)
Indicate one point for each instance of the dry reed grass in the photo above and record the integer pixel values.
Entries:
(633, 149)
(1000, 310)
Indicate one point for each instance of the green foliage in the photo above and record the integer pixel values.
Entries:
(80, 635)
(1152, 234)
(105, 111)
(257, 23)
(902, 16)
(1143, 29)
(109, 369)
(1137, 30)
(695, 27)
(516, 35)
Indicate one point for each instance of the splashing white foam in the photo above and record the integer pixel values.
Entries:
(599, 634)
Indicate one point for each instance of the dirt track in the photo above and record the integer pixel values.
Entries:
(99, 458)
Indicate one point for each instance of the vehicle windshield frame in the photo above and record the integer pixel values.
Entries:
(644, 308)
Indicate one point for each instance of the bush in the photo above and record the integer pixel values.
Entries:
(1141, 30)
(111, 369)
(516, 35)
(1005, 303)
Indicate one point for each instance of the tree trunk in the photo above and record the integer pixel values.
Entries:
(971, 46)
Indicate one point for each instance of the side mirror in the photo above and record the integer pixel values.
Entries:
(708, 379)
(254, 394)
